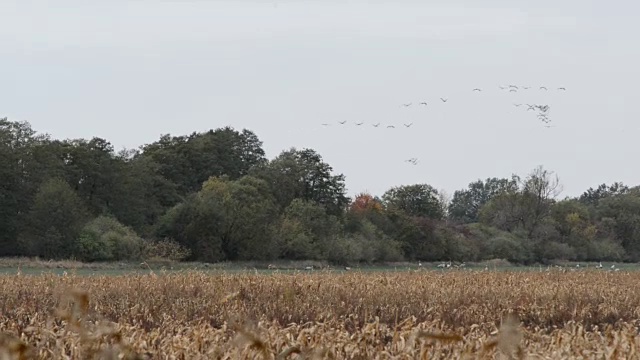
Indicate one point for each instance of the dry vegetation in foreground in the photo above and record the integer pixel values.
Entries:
(425, 314)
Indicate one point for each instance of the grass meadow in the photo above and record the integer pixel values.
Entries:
(417, 314)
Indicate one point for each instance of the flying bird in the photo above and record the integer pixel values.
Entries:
(561, 88)
(543, 88)
(376, 125)
(502, 87)
(360, 123)
(476, 89)
(407, 105)
(408, 125)
(517, 105)
(390, 127)
(526, 87)
(414, 161)
(342, 122)
(444, 100)
(423, 103)
(325, 124)
(513, 90)
(513, 86)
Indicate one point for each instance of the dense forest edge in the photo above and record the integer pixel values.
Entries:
(214, 197)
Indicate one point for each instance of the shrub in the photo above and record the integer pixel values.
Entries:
(165, 249)
(106, 239)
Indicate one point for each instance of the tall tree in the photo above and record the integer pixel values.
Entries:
(17, 182)
(466, 204)
(226, 220)
(54, 221)
(92, 170)
(188, 161)
(306, 231)
(415, 200)
(302, 174)
(593, 196)
(622, 215)
(526, 209)
(539, 192)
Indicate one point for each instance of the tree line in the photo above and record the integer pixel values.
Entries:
(214, 196)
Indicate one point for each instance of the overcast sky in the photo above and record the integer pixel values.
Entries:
(129, 71)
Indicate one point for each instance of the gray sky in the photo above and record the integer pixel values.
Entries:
(129, 71)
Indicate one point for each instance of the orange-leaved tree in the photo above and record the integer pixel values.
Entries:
(365, 202)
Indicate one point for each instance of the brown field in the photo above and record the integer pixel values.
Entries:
(423, 314)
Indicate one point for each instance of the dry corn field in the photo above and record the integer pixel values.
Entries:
(411, 315)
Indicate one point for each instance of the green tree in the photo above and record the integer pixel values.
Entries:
(227, 219)
(142, 195)
(302, 174)
(415, 200)
(306, 231)
(106, 239)
(593, 196)
(621, 214)
(539, 192)
(188, 161)
(526, 209)
(92, 170)
(54, 221)
(20, 175)
(466, 204)
(493, 243)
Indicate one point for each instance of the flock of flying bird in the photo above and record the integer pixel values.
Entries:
(374, 125)
(542, 110)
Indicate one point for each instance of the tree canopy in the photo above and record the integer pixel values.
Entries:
(214, 196)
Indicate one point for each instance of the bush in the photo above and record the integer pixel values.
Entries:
(369, 245)
(106, 239)
(165, 249)
(493, 243)
(605, 250)
(507, 247)
(554, 250)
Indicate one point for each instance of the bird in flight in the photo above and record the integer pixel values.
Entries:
(390, 127)
(561, 88)
(543, 88)
(423, 103)
(502, 87)
(325, 124)
(513, 90)
(414, 161)
(376, 125)
(531, 107)
(526, 87)
(513, 86)
(407, 105)
(360, 123)
(342, 122)
(476, 89)
(517, 105)
(444, 100)
(408, 125)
